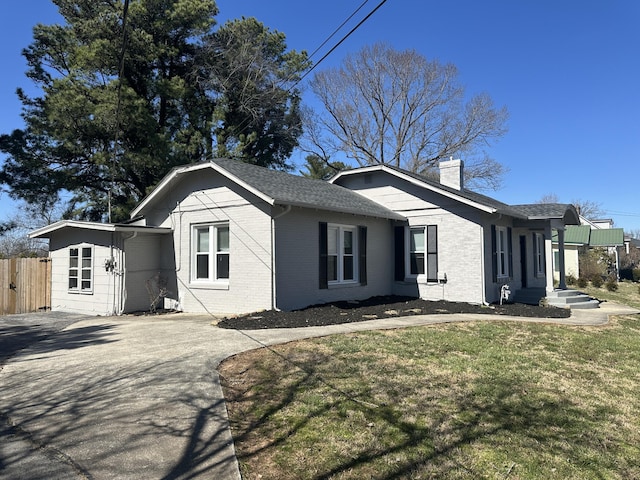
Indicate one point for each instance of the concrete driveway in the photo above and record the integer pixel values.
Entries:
(139, 397)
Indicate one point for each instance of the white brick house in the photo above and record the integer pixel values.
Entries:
(229, 237)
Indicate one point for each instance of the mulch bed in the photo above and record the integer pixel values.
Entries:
(378, 307)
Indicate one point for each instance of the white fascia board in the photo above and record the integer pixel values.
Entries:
(415, 181)
(95, 226)
(42, 232)
(169, 177)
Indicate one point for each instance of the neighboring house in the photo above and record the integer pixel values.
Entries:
(227, 237)
(579, 238)
(630, 244)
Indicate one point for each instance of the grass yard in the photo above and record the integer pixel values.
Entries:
(458, 401)
(628, 293)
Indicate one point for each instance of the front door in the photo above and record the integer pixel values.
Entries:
(523, 260)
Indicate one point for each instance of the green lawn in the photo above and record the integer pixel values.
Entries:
(628, 293)
(459, 401)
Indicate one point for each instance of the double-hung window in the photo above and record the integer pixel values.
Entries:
(211, 253)
(423, 252)
(81, 269)
(341, 254)
(502, 252)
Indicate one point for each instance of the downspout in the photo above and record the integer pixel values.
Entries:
(110, 262)
(483, 288)
(273, 255)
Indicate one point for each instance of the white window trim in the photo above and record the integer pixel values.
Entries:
(407, 260)
(213, 252)
(419, 277)
(502, 249)
(340, 253)
(80, 269)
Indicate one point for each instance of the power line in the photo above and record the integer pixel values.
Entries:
(339, 43)
(339, 28)
(244, 124)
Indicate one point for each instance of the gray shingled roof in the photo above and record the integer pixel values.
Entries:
(543, 210)
(287, 189)
(476, 197)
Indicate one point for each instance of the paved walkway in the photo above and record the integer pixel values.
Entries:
(139, 397)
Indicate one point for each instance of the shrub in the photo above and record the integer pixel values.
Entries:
(571, 280)
(582, 282)
(612, 285)
(635, 273)
(596, 281)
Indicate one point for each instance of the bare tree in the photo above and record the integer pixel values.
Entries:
(14, 232)
(549, 198)
(635, 233)
(398, 108)
(588, 209)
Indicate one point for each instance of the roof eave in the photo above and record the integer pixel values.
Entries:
(390, 215)
(44, 232)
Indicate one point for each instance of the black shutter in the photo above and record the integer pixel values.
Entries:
(494, 254)
(543, 252)
(362, 254)
(432, 253)
(323, 279)
(510, 246)
(399, 253)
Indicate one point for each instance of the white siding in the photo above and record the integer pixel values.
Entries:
(143, 263)
(105, 285)
(571, 265)
(298, 259)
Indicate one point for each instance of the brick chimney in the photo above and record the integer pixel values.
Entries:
(451, 173)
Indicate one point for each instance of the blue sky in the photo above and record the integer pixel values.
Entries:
(568, 71)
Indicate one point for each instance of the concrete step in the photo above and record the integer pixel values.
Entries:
(571, 299)
(557, 298)
(584, 305)
(564, 293)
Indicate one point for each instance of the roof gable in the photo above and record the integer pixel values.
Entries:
(471, 198)
(279, 188)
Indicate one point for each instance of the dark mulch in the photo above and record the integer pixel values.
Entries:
(378, 307)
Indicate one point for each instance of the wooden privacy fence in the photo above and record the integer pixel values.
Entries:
(26, 285)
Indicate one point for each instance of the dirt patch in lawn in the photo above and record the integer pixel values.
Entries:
(379, 307)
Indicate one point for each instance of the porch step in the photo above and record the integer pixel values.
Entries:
(557, 298)
(571, 299)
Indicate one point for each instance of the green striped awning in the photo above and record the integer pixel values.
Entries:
(584, 235)
(607, 237)
(574, 235)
